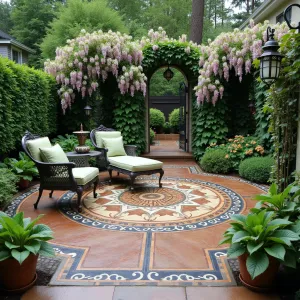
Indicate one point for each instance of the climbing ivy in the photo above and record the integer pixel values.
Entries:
(129, 116)
(174, 53)
(209, 126)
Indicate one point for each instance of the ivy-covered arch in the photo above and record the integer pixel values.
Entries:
(179, 54)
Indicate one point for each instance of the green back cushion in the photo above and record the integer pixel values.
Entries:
(105, 134)
(54, 154)
(34, 146)
(115, 146)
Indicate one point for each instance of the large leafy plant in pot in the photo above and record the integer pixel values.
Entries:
(21, 242)
(261, 242)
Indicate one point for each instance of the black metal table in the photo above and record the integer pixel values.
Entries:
(82, 159)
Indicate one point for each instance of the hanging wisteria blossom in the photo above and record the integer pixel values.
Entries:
(231, 51)
(90, 57)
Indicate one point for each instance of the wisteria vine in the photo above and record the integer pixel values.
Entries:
(90, 57)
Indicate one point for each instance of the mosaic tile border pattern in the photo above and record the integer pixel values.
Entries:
(236, 206)
(70, 271)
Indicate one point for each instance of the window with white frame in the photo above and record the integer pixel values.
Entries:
(17, 56)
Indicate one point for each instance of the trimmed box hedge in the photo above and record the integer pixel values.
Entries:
(28, 101)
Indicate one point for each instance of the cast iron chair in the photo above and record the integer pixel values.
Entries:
(57, 176)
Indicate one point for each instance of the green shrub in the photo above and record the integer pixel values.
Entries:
(8, 188)
(215, 161)
(167, 128)
(157, 119)
(256, 169)
(152, 136)
(174, 119)
(28, 101)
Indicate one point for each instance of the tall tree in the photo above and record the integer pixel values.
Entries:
(197, 21)
(30, 18)
(75, 16)
(5, 17)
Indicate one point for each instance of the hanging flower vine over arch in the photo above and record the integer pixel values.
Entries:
(232, 50)
(85, 60)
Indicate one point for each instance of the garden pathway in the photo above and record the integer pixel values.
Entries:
(160, 237)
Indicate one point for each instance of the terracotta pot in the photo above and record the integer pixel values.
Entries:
(24, 184)
(14, 276)
(264, 280)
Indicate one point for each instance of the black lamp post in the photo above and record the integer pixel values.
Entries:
(87, 110)
(168, 74)
(285, 14)
(270, 60)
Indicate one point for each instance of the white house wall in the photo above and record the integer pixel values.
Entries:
(5, 51)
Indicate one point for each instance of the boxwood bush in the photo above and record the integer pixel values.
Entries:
(28, 101)
(215, 161)
(256, 169)
(157, 119)
(174, 119)
(8, 186)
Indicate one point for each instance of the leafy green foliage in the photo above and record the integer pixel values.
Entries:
(157, 119)
(5, 16)
(8, 181)
(159, 86)
(128, 113)
(30, 20)
(215, 161)
(69, 142)
(257, 169)
(174, 119)
(76, 15)
(239, 148)
(209, 126)
(28, 101)
(258, 235)
(24, 168)
(167, 128)
(171, 53)
(285, 204)
(20, 237)
(152, 136)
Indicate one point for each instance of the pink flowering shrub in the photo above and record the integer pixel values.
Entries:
(85, 60)
(230, 51)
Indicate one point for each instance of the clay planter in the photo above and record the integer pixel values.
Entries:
(263, 281)
(14, 276)
(24, 184)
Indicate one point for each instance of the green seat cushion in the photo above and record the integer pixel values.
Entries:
(105, 134)
(54, 154)
(135, 163)
(84, 175)
(34, 146)
(115, 146)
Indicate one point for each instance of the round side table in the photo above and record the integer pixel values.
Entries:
(82, 159)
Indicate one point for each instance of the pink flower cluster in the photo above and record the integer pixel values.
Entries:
(91, 57)
(230, 51)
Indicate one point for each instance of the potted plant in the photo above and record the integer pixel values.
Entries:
(21, 242)
(261, 242)
(24, 168)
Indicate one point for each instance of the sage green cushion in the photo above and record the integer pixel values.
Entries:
(84, 175)
(135, 163)
(105, 134)
(34, 146)
(54, 154)
(115, 146)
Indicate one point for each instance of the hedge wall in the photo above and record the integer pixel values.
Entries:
(28, 101)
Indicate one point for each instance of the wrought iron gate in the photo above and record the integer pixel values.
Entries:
(182, 116)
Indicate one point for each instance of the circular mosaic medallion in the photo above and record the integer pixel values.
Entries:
(181, 204)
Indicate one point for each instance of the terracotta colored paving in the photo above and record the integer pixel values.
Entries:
(117, 241)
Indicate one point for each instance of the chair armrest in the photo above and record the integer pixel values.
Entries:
(102, 160)
(57, 173)
(130, 150)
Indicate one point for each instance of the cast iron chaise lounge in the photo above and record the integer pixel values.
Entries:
(128, 163)
(58, 176)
